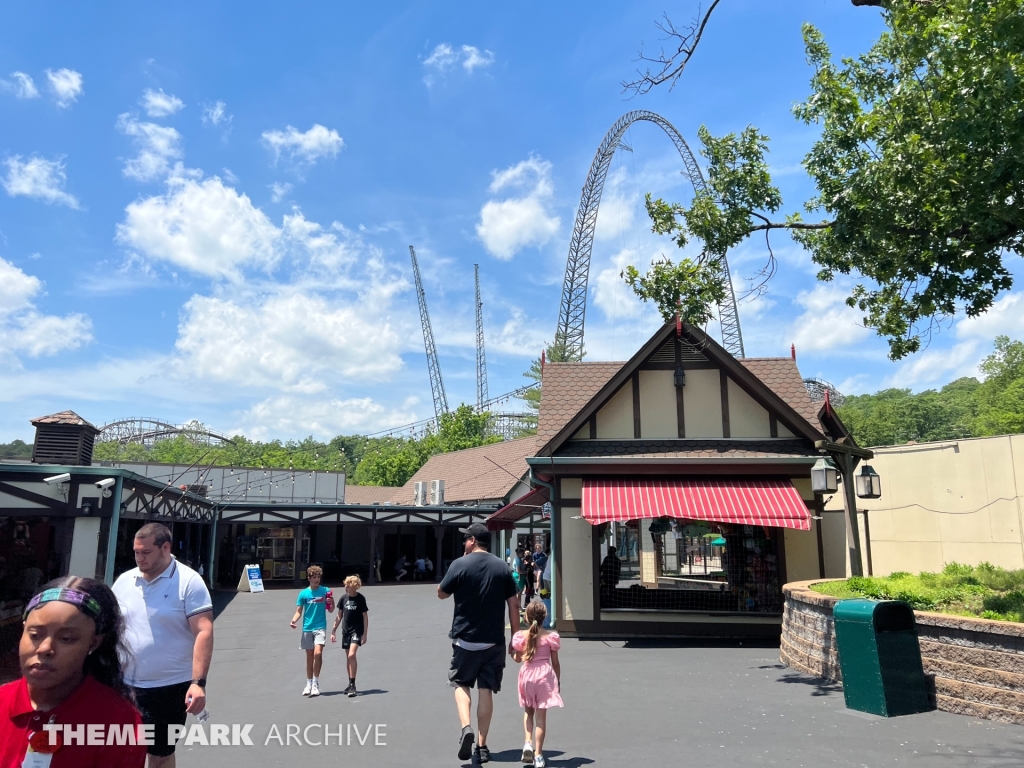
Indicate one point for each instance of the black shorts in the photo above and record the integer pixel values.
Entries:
(482, 669)
(350, 637)
(162, 707)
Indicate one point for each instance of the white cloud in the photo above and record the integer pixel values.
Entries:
(279, 192)
(39, 178)
(444, 58)
(1004, 317)
(611, 294)
(509, 225)
(293, 340)
(203, 226)
(937, 365)
(306, 147)
(66, 85)
(473, 58)
(827, 322)
(23, 87)
(215, 114)
(158, 145)
(24, 329)
(160, 104)
(291, 415)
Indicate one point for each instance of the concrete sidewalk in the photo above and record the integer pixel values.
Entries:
(624, 702)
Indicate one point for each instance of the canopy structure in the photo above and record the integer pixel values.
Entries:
(743, 502)
(505, 519)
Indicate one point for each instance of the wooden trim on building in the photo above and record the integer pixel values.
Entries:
(724, 379)
(593, 427)
(636, 406)
(773, 425)
(819, 512)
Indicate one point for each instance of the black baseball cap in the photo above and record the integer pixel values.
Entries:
(477, 531)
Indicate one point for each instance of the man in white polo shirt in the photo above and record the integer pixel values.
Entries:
(169, 631)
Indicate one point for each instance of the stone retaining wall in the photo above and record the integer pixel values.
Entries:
(975, 667)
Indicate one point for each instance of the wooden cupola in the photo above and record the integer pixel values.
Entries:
(63, 438)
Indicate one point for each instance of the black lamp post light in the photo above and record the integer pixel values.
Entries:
(869, 484)
(824, 476)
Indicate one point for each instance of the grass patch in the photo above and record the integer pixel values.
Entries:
(982, 591)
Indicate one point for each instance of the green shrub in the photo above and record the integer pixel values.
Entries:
(985, 590)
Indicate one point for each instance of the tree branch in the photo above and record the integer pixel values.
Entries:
(671, 67)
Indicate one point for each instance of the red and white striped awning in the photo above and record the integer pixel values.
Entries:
(505, 519)
(745, 502)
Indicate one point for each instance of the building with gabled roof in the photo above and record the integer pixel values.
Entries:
(695, 466)
(491, 474)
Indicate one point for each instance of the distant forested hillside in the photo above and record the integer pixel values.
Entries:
(963, 408)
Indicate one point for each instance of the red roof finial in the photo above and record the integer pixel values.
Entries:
(542, 357)
(828, 401)
(679, 319)
(792, 351)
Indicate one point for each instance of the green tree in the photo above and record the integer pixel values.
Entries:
(1001, 395)
(918, 168)
(16, 449)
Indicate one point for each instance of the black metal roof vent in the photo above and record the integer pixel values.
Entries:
(63, 438)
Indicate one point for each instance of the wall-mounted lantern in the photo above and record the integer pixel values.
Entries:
(680, 377)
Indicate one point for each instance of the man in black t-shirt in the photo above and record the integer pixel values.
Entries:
(354, 618)
(483, 588)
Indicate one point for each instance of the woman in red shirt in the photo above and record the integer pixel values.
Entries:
(71, 676)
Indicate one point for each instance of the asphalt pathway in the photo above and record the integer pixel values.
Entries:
(624, 702)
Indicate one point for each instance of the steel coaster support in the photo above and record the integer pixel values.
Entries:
(481, 356)
(433, 367)
(573, 306)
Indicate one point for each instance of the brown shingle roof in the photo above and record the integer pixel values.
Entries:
(369, 494)
(781, 375)
(489, 472)
(64, 417)
(565, 389)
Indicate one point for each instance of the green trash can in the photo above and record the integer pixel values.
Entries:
(880, 657)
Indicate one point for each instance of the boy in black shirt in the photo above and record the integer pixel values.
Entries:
(354, 618)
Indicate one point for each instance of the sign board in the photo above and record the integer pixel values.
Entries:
(252, 579)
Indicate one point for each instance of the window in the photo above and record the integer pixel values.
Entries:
(676, 564)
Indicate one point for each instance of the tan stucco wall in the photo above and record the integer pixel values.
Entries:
(658, 405)
(615, 419)
(801, 553)
(577, 598)
(702, 403)
(746, 417)
(583, 433)
(956, 501)
(572, 488)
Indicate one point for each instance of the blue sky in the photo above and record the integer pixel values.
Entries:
(205, 210)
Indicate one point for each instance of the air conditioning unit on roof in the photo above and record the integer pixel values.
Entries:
(436, 492)
(419, 493)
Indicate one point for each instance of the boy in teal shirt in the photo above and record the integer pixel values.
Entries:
(311, 606)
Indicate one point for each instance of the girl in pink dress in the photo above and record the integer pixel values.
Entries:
(538, 679)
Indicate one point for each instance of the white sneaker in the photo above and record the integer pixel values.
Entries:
(528, 753)
(308, 689)
(315, 690)
(539, 761)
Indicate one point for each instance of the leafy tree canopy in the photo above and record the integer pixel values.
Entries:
(365, 460)
(963, 408)
(919, 170)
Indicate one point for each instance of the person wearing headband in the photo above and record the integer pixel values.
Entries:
(71, 676)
